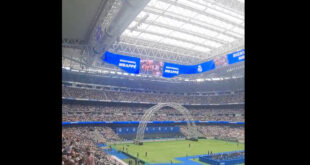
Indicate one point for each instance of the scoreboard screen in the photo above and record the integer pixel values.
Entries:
(151, 67)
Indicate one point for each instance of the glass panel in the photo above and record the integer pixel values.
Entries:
(160, 30)
(202, 49)
(191, 4)
(207, 6)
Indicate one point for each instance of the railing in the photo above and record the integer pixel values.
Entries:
(94, 100)
(149, 122)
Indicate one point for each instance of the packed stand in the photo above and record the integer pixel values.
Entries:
(224, 132)
(73, 92)
(84, 112)
(228, 156)
(79, 145)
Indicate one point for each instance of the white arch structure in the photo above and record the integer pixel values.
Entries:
(193, 134)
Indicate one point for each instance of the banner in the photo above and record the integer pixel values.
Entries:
(171, 69)
(148, 130)
(168, 70)
(236, 57)
(127, 63)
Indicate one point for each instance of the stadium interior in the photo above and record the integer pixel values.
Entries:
(155, 82)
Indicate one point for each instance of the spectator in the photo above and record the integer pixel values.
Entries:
(90, 160)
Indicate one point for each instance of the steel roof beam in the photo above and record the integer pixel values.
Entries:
(153, 52)
(201, 12)
(183, 31)
(225, 49)
(231, 5)
(174, 38)
(213, 8)
(186, 20)
(161, 46)
(127, 13)
(164, 49)
(94, 21)
(105, 15)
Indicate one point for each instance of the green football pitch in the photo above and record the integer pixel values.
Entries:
(166, 151)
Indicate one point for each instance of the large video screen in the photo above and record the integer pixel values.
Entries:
(220, 61)
(151, 67)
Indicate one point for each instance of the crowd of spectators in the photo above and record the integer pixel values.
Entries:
(84, 112)
(228, 156)
(79, 145)
(95, 94)
(225, 132)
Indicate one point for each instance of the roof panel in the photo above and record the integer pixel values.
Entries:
(226, 16)
(150, 37)
(213, 21)
(151, 17)
(181, 11)
(238, 30)
(202, 49)
(159, 4)
(226, 38)
(186, 36)
(143, 26)
(169, 21)
(234, 34)
(132, 24)
(191, 4)
(177, 43)
(130, 33)
(200, 26)
(142, 14)
(159, 30)
(228, 11)
(199, 30)
(212, 44)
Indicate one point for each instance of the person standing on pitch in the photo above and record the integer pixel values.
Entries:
(145, 154)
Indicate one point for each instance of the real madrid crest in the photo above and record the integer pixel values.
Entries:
(199, 68)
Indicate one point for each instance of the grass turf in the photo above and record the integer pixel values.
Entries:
(166, 151)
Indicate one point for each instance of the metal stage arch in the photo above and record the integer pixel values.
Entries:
(193, 133)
